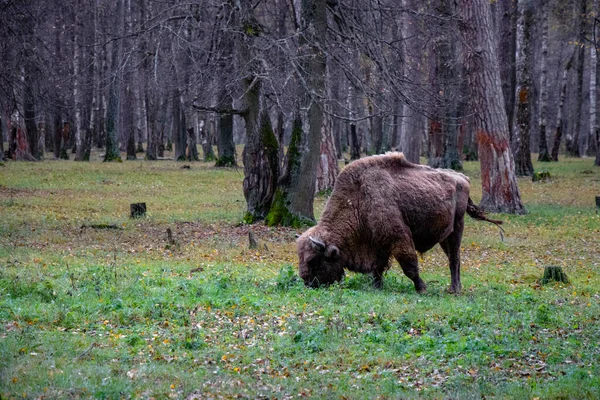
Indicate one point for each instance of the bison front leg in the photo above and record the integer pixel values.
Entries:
(411, 269)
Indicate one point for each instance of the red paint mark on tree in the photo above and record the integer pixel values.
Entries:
(487, 139)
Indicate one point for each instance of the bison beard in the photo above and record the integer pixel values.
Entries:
(384, 205)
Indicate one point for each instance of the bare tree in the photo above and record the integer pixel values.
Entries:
(260, 155)
(293, 203)
(114, 94)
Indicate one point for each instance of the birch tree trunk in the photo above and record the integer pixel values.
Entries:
(544, 154)
(595, 132)
(77, 103)
(500, 192)
(524, 89)
(573, 140)
(593, 97)
(560, 111)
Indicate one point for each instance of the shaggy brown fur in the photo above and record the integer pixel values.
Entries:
(384, 205)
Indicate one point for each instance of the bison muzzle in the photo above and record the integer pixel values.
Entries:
(384, 206)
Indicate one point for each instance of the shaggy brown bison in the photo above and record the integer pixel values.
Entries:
(384, 205)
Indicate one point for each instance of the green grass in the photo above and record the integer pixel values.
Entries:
(121, 313)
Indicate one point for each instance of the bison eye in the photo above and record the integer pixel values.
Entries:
(332, 252)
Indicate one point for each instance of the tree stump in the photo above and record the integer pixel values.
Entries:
(253, 244)
(138, 210)
(554, 274)
(171, 242)
(541, 176)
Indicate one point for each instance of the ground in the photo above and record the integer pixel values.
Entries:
(94, 304)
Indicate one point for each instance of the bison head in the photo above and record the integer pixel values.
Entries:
(320, 263)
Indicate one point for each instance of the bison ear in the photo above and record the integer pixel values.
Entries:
(317, 244)
(332, 252)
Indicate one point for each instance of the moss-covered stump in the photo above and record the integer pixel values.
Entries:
(554, 274)
(226, 161)
(541, 176)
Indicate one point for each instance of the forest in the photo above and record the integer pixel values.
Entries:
(228, 123)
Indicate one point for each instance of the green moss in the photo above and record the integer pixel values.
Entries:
(280, 214)
(112, 156)
(249, 218)
(294, 147)
(269, 142)
(226, 161)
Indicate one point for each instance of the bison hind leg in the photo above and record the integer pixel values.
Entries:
(451, 246)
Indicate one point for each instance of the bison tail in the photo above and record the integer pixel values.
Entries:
(478, 214)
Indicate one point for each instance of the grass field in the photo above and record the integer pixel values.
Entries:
(124, 313)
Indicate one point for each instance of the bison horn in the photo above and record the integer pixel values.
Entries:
(317, 244)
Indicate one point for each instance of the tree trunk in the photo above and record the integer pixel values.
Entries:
(225, 144)
(280, 133)
(179, 126)
(260, 155)
(507, 31)
(544, 154)
(33, 138)
(19, 144)
(522, 127)
(130, 120)
(499, 183)
(77, 101)
(114, 93)
(413, 124)
(595, 134)
(352, 134)
(327, 169)
(192, 148)
(293, 203)
(1, 140)
(560, 110)
(573, 140)
(593, 97)
(448, 80)
(376, 134)
(206, 139)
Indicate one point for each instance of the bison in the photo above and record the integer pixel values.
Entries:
(385, 205)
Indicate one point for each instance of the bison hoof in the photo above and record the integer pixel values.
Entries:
(454, 289)
(421, 287)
